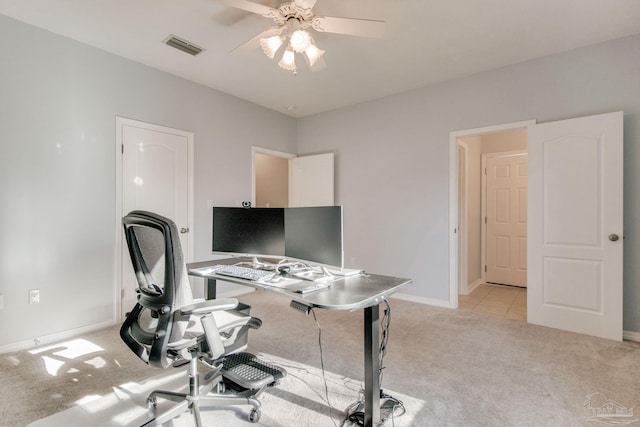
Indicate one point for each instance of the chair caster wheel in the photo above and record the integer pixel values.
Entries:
(254, 416)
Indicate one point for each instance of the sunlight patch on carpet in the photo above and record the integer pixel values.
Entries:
(300, 399)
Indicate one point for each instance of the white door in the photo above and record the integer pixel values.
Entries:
(575, 225)
(156, 176)
(506, 217)
(311, 180)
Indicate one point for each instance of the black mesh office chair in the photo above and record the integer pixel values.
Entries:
(166, 328)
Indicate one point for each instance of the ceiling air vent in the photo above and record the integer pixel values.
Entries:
(183, 45)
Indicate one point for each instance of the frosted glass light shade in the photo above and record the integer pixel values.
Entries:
(300, 41)
(313, 54)
(271, 45)
(288, 61)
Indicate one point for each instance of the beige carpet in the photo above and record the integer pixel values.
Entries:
(300, 400)
(450, 368)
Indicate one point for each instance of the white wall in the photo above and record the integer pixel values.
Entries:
(393, 156)
(58, 102)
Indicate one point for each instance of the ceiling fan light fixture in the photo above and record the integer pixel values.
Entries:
(313, 54)
(300, 41)
(271, 45)
(288, 61)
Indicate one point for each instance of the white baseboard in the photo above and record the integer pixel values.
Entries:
(420, 300)
(37, 341)
(23, 345)
(631, 336)
(474, 285)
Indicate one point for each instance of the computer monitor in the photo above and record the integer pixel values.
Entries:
(314, 234)
(248, 231)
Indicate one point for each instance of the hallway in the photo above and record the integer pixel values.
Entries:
(504, 302)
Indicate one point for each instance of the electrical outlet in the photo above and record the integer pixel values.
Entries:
(34, 296)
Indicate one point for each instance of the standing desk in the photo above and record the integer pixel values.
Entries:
(364, 291)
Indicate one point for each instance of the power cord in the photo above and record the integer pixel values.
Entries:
(324, 378)
(388, 404)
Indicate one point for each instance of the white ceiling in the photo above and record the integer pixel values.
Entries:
(425, 41)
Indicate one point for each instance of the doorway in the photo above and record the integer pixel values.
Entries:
(492, 196)
(270, 180)
(466, 244)
(285, 180)
(575, 250)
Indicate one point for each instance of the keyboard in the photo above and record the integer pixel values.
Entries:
(239, 272)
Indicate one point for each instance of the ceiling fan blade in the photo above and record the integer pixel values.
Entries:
(250, 6)
(254, 42)
(305, 4)
(349, 26)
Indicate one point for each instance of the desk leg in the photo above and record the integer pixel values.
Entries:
(371, 366)
(210, 289)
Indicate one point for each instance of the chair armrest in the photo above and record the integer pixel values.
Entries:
(209, 306)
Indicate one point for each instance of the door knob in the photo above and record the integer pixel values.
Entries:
(613, 237)
(186, 230)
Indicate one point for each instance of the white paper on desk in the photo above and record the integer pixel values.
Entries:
(282, 283)
(345, 272)
(204, 270)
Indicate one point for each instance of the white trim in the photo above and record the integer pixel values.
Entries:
(453, 220)
(59, 336)
(274, 153)
(474, 285)
(120, 121)
(463, 221)
(483, 205)
(453, 196)
(631, 336)
(420, 300)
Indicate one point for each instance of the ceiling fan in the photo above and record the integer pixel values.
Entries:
(293, 19)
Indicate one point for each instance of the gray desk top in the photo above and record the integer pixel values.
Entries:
(346, 293)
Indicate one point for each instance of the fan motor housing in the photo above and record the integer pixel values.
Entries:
(292, 11)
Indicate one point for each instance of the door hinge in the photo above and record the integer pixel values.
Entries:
(485, 219)
(122, 148)
(485, 268)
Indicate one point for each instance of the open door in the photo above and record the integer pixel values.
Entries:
(575, 225)
(311, 180)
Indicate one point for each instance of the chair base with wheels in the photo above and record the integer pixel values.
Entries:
(238, 380)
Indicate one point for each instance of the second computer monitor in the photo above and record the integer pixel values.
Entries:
(314, 234)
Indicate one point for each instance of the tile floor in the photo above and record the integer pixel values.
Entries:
(505, 302)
